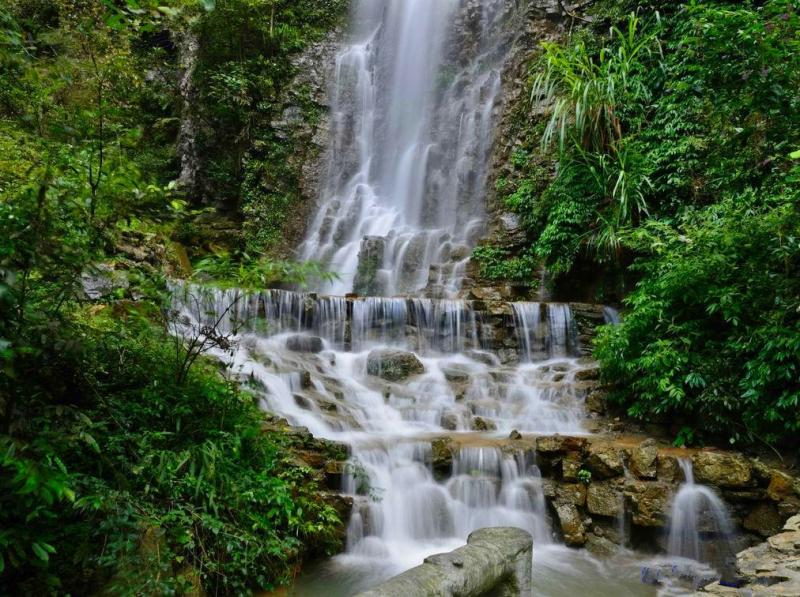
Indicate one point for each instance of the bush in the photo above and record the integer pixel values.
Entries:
(712, 332)
(127, 481)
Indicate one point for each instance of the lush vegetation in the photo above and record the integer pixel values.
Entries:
(676, 135)
(129, 464)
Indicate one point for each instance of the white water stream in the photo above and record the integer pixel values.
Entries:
(416, 92)
(414, 98)
(307, 356)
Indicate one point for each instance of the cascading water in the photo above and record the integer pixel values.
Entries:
(413, 104)
(306, 357)
(700, 527)
(415, 91)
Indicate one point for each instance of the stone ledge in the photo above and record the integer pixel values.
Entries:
(494, 560)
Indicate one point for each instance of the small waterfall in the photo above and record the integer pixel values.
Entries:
(555, 335)
(417, 513)
(700, 527)
(611, 315)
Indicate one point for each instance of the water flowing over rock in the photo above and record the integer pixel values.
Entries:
(700, 526)
(415, 94)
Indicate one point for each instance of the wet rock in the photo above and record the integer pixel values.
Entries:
(455, 375)
(481, 424)
(588, 374)
(780, 486)
(370, 260)
(571, 525)
(570, 465)
(600, 546)
(303, 343)
(764, 519)
(644, 460)
(571, 493)
(441, 457)
(515, 435)
(485, 293)
(596, 402)
(449, 421)
(722, 469)
(102, 280)
(482, 356)
(788, 542)
(334, 473)
(393, 365)
(649, 501)
(667, 468)
(559, 443)
(495, 561)
(603, 499)
(605, 461)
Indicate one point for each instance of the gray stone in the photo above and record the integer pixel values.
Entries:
(571, 525)
(644, 460)
(603, 499)
(605, 461)
(393, 365)
(495, 561)
(722, 469)
(303, 343)
(102, 281)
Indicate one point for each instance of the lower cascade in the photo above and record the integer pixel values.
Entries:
(427, 393)
(700, 526)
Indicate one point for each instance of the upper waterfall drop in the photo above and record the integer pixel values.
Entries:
(413, 100)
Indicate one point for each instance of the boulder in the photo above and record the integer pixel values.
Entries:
(570, 465)
(449, 421)
(455, 374)
(722, 469)
(549, 444)
(571, 493)
(793, 524)
(495, 561)
(649, 502)
(605, 461)
(600, 546)
(571, 525)
(103, 280)
(788, 542)
(603, 499)
(515, 435)
(764, 519)
(482, 424)
(644, 460)
(780, 486)
(393, 365)
(303, 343)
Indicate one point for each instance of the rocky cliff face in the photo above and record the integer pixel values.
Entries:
(605, 491)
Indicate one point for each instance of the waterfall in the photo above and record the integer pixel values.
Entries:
(414, 96)
(700, 528)
(555, 335)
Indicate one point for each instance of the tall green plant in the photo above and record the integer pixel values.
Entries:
(585, 91)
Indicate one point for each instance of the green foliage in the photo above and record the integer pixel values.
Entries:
(246, 272)
(713, 329)
(160, 476)
(243, 81)
(496, 264)
(121, 470)
(675, 141)
(585, 476)
(587, 90)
